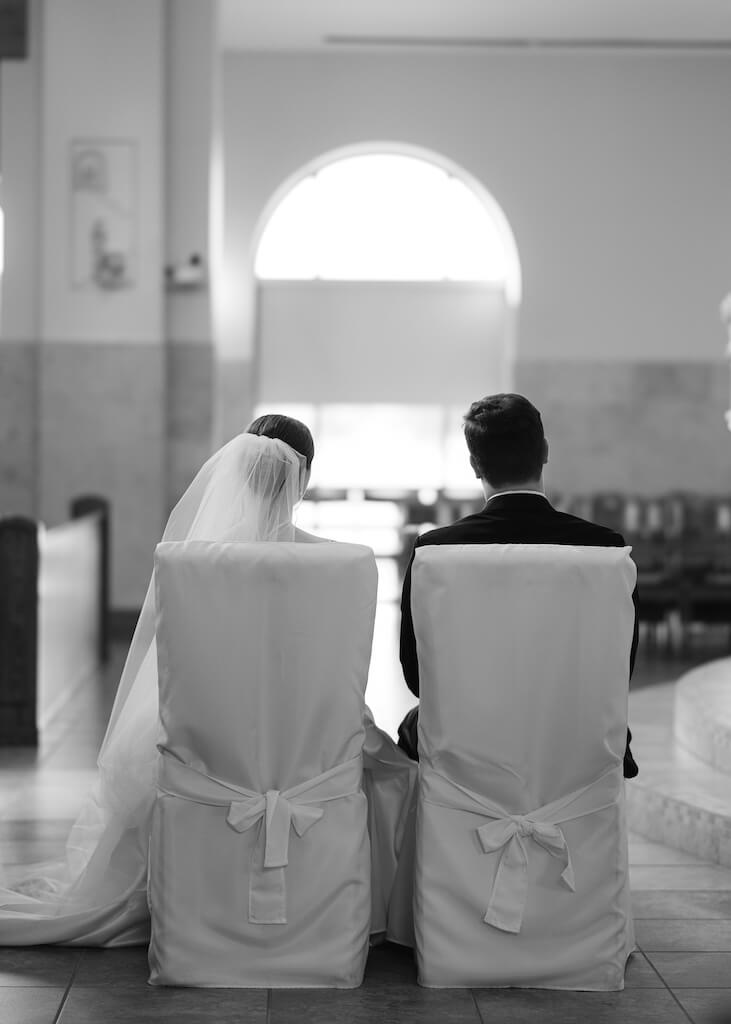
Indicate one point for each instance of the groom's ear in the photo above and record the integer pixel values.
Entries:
(545, 451)
(475, 467)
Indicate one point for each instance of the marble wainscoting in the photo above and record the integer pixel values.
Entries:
(18, 427)
(641, 427)
(190, 376)
(102, 430)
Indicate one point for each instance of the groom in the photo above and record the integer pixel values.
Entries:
(508, 451)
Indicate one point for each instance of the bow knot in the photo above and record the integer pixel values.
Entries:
(277, 812)
(526, 827)
(509, 892)
(511, 835)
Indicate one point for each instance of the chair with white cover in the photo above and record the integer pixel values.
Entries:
(521, 874)
(259, 854)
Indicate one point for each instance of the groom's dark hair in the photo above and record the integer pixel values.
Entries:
(285, 428)
(504, 434)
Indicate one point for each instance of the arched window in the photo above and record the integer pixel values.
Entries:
(387, 287)
(386, 217)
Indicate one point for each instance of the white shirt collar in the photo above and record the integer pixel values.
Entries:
(500, 494)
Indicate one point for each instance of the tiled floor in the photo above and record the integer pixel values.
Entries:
(678, 977)
(682, 906)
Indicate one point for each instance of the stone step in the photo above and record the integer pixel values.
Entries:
(703, 713)
(677, 799)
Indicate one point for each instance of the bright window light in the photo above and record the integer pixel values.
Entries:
(392, 447)
(459, 477)
(288, 246)
(378, 446)
(381, 217)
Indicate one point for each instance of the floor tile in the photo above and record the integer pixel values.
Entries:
(19, 761)
(147, 1005)
(645, 851)
(706, 1005)
(534, 1006)
(37, 965)
(76, 753)
(688, 905)
(693, 970)
(394, 1004)
(682, 876)
(117, 967)
(49, 798)
(29, 1005)
(683, 935)
(640, 973)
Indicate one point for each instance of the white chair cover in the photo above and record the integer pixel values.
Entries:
(521, 850)
(259, 859)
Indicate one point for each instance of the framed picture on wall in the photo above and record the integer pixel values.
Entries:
(103, 213)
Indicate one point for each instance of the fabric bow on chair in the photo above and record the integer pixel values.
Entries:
(509, 832)
(274, 811)
(509, 891)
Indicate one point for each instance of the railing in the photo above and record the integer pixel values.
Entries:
(53, 614)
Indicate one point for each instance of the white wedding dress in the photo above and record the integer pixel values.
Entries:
(97, 895)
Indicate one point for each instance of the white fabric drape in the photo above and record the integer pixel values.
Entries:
(521, 874)
(275, 812)
(259, 856)
(509, 834)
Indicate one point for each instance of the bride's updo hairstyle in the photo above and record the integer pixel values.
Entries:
(296, 436)
(285, 428)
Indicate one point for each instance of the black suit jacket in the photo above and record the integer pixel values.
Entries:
(520, 518)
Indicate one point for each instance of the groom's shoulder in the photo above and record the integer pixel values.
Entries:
(588, 532)
(462, 531)
(550, 526)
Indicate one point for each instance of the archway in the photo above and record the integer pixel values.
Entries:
(388, 284)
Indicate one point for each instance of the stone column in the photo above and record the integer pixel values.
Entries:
(102, 393)
(193, 224)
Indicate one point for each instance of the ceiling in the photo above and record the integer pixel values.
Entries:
(473, 24)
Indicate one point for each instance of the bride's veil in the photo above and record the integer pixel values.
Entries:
(247, 491)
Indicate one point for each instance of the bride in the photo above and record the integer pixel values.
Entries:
(97, 895)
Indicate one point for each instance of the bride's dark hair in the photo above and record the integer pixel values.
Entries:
(284, 428)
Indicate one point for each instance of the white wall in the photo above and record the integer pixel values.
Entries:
(102, 79)
(20, 167)
(614, 171)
